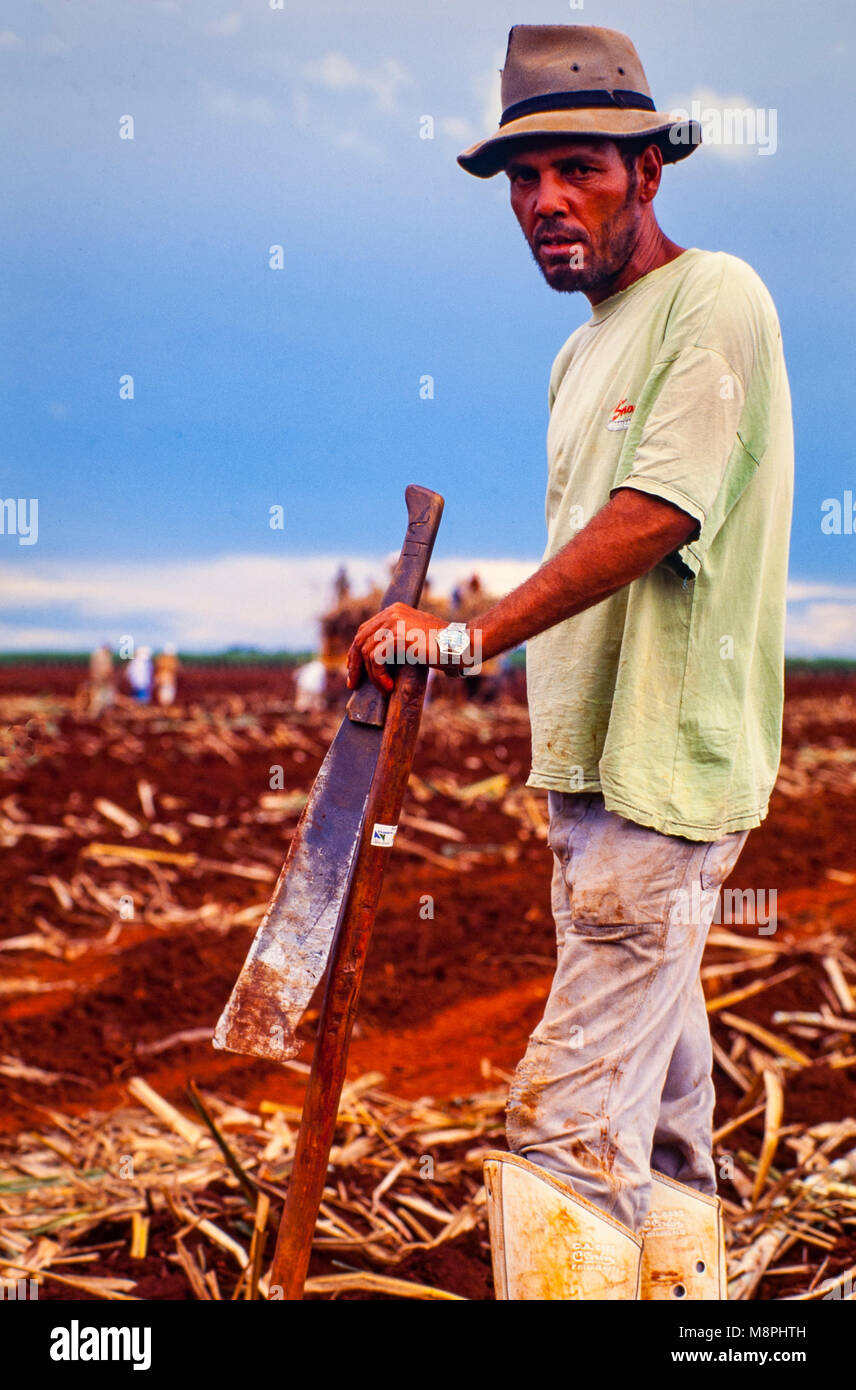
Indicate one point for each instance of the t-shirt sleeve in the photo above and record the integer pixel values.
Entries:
(683, 444)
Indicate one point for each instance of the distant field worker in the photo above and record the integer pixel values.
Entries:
(102, 692)
(140, 674)
(310, 682)
(166, 674)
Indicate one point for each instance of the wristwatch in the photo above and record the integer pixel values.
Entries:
(453, 642)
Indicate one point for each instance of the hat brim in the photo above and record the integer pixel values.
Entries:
(676, 138)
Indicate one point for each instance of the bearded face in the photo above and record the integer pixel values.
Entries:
(579, 209)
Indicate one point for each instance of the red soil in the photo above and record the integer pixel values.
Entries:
(441, 997)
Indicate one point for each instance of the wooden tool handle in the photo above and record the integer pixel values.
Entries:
(344, 976)
(367, 705)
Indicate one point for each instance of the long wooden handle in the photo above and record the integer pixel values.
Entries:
(344, 976)
(367, 705)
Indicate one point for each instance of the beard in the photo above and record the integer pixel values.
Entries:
(602, 262)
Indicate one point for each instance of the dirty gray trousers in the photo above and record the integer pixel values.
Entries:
(616, 1079)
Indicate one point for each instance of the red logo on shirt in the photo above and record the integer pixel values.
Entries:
(620, 417)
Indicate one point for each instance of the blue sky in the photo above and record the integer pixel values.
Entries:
(299, 387)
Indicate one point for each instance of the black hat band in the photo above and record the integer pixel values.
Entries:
(562, 101)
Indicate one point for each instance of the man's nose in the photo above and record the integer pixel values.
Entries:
(551, 196)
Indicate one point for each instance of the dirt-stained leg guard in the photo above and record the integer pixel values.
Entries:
(683, 1252)
(549, 1243)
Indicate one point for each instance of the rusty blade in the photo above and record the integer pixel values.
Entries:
(292, 945)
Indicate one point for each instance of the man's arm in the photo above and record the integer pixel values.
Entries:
(623, 541)
(626, 539)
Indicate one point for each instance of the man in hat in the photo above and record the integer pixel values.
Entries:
(655, 631)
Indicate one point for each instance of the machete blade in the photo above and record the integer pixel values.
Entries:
(292, 945)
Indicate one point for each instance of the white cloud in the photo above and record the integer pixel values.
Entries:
(497, 576)
(825, 628)
(462, 132)
(9, 39)
(223, 101)
(358, 144)
(268, 601)
(488, 96)
(800, 589)
(338, 73)
(732, 127)
(226, 25)
(486, 104)
(48, 638)
(300, 109)
(53, 45)
(275, 601)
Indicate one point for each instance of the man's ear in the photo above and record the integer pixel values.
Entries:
(649, 169)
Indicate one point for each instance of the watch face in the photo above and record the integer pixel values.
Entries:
(456, 642)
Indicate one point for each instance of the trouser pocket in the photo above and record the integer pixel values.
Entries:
(720, 858)
(621, 877)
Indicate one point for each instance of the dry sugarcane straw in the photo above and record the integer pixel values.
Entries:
(51, 1207)
(344, 976)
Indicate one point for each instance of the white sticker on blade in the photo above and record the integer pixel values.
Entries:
(383, 834)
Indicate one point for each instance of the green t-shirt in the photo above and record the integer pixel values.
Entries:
(667, 697)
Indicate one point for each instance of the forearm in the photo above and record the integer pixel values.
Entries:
(626, 539)
(630, 535)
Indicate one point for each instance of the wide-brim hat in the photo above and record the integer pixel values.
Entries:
(576, 80)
